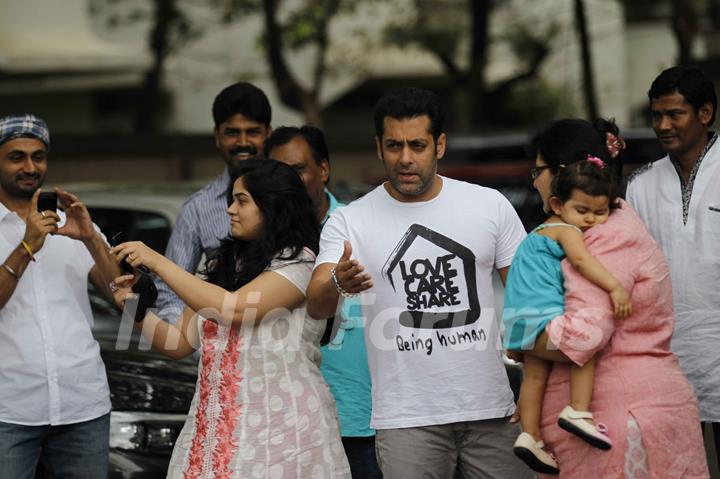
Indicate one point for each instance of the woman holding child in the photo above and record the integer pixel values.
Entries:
(651, 425)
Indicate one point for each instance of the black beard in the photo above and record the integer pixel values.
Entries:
(14, 190)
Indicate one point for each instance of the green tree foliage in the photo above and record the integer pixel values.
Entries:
(289, 28)
(457, 33)
(171, 29)
(687, 18)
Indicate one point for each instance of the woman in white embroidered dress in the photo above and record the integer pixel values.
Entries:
(261, 408)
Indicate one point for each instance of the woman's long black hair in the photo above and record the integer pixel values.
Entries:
(289, 223)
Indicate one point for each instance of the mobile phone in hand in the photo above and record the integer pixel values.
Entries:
(125, 267)
(115, 240)
(146, 293)
(47, 201)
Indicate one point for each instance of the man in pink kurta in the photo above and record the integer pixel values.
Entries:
(636, 373)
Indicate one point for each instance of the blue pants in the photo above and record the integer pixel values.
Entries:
(72, 451)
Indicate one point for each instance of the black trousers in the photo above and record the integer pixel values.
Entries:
(716, 433)
(361, 456)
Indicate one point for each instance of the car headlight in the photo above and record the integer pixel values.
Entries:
(144, 431)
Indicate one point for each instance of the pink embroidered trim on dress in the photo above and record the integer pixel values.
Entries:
(226, 442)
(195, 456)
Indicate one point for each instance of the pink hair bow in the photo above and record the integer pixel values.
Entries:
(595, 161)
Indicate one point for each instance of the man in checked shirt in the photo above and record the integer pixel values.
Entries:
(242, 117)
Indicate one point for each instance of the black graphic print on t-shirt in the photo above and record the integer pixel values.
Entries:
(437, 277)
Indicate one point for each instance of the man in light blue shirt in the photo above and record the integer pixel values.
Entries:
(242, 118)
(344, 358)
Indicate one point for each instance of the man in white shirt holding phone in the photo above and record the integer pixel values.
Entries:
(54, 400)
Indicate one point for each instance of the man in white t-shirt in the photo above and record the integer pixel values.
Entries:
(421, 249)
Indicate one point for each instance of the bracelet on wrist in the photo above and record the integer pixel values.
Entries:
(339, 288)
(11, 271)
(27, 248)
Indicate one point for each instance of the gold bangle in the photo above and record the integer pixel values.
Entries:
(10, 271)
(27, 248)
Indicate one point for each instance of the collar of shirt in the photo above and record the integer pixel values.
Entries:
(219, 185)
(686, 188)
(332, 204)
(4, 211)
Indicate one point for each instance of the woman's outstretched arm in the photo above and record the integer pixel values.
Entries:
(266, 293)
(175, 341)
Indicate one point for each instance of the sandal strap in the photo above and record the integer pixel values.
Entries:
(580, 414)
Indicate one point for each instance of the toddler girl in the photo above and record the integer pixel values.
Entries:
(582, 196)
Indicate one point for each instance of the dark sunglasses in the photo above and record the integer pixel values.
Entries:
(536, 171)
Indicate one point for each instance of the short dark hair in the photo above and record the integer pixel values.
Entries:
(689, 81)
(243, 98)
(588, 177)
(312, 135)
(409, 102)
(289, 224)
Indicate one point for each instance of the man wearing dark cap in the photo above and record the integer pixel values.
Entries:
(242, 117)
(54, 399)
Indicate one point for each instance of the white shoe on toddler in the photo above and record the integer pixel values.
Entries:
(574, 422)
(533, 454)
